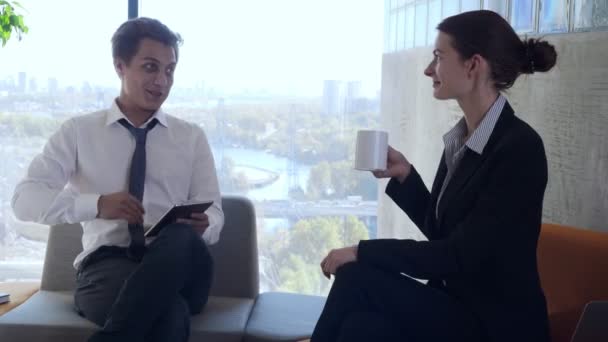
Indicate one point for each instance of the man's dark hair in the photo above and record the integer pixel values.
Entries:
(127, 37)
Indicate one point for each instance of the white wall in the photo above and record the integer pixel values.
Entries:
(567, 106)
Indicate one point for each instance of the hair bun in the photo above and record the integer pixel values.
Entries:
(538, 56)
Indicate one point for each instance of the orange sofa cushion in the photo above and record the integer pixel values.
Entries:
(573, 267)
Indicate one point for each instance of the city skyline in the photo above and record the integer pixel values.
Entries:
(274, 45)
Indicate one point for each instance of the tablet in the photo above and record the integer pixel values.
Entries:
(177, 211)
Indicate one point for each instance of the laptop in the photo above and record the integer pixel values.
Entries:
(593, 324)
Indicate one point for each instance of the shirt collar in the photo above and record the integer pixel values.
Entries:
(114, 114)
(479, 139)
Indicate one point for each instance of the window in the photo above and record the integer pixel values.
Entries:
(421, 23)
(522, 15)
(394, 23)
(590, 14)
(56, 71)
(410, 25)
(498, 6)
(434, 20)
(450, 8)
(401, 28)
(470, 5)
(281, 89)
(553, 16)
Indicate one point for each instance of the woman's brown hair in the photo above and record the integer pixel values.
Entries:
(488, 34)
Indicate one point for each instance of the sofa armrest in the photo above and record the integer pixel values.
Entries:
(19, 292)
(573, 266)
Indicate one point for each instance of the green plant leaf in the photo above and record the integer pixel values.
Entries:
(6, 35)
(15, 3)
(11, 21)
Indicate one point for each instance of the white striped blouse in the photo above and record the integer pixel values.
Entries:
(455, 144)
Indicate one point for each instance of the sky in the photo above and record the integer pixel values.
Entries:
(278, 45)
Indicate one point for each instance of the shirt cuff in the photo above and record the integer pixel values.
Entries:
(216, 222)
(85, 207)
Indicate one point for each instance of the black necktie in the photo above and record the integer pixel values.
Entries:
(137, 176)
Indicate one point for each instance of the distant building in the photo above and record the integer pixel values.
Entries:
(33, 86)
(353, 97)
(22, 82)
(52, 85)
(333, 97)
(340, 98)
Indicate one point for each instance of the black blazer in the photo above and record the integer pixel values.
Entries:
(482, 246)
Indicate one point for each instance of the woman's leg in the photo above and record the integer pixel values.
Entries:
(369, 326)
(421, 313)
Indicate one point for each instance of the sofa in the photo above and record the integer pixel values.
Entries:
(573, 267)
(235, 311)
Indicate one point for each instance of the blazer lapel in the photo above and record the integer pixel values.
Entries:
(431, 220)
(468, 165)
(471, 161)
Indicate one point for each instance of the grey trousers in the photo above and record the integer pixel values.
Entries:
(151, 300)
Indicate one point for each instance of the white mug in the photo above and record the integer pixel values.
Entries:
(371, 150)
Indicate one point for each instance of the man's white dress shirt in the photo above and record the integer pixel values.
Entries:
(90, 156)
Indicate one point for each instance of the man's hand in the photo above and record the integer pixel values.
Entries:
(120, 205)
(337, 258)
(198, 221)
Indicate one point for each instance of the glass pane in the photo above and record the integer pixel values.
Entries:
(387, 26)
(401, 29)
(47, 77)
(409, 26)
(470, 5)
(498, 6)
(590, 14)
(393, 33)
(450, 8)
(281, 101)
(552, 16)
(522, 15)
(434, 19)
(421, 17)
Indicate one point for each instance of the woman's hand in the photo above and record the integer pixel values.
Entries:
(397, 166)
(336, 258)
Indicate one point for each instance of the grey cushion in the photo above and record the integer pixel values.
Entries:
(63, 245)
(49, 316)
(224, 319)
(283, 317)
(46, 316)
(235, 255)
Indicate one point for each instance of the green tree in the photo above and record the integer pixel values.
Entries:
(296, 253)
(27, 125)
(337, 180)
(319, 181)
(10, 21)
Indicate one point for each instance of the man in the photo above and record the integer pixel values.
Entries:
(124, 167)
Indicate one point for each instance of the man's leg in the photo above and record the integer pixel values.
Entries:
(196, 289)
(99, 280)
(422, 312)
(173, 325)
(171, 265)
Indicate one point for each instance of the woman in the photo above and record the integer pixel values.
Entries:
(482, 217)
